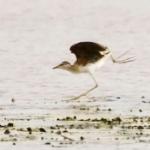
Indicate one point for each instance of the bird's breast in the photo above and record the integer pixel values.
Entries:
(76, 69)
(95, 66)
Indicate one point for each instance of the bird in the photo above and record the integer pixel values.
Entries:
(90, 56)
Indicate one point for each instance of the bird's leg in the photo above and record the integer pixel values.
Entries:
(129, 59)
(88, 91)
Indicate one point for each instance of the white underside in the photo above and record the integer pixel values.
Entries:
(95, 66)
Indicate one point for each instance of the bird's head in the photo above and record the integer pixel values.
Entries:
(63, 65)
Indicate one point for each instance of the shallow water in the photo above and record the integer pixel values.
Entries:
(36, 35)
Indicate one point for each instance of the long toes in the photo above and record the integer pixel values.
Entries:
(130, 59)
(77, 97)
(123, 54)
(126, 61)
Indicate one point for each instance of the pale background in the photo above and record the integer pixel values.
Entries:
(35, 35)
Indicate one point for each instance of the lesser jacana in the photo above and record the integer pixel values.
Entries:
(90, 56)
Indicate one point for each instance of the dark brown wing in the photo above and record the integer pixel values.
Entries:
(87, 52)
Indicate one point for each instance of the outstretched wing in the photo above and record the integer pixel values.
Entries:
(87, 52)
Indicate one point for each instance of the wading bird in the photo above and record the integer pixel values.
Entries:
(90, 56)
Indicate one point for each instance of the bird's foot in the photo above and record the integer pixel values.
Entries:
(75, 97)
(83, 94)
(126, 60)
(130, 59)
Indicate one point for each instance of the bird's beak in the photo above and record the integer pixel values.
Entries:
(56, 67)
